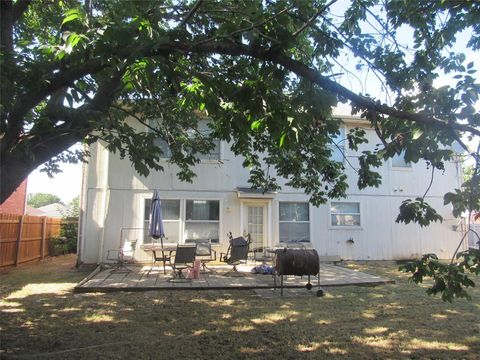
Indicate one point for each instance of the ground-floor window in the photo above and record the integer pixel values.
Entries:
(171, 220)
(294, 222)
(201, 220)
(345, 213)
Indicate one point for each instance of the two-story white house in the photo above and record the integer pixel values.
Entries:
(115, 206)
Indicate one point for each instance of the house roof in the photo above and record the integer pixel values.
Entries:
(34, 211)
(55, 210)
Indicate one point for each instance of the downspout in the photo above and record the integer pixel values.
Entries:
(460, 178)
(82, 215)
(104, 202)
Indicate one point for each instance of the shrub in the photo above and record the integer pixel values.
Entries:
(69, 230)
(58, 246)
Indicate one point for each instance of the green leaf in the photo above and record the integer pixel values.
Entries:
(417, 133)
(256, 125)
(71, 15)
(282, 139)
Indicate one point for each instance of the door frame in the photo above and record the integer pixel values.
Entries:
(267, 206)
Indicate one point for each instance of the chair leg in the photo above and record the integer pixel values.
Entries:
(233, 272)
(206, 269)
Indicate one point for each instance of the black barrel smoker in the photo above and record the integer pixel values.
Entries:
(299, 262)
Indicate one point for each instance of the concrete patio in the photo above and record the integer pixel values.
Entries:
(147, 278)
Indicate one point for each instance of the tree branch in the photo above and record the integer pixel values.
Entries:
(26, 102)
(314, 17)
(190, 13)
(300, 69)
(6, 29)
(19, 8)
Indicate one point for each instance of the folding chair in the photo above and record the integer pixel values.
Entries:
(204, 253)
(183, 259)
(122, 256)
(236, 254)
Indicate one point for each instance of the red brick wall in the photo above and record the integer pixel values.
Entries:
(15, 204)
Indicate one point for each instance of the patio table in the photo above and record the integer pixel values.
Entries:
(158, 248)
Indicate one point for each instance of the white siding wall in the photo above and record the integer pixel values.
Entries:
(115, 196)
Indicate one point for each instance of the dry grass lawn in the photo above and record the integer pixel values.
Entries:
(42, 318)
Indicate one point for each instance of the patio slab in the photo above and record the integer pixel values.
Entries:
(147, 278)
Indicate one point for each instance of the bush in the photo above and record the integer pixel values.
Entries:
(69, 231)
(58, 246)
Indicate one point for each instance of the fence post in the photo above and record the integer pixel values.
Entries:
(44, 230)
(19, 239)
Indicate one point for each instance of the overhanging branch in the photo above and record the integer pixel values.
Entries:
(314, 76)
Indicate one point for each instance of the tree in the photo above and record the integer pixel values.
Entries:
(266, 72)
(41, 199)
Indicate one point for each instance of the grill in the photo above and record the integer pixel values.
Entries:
(299, 262)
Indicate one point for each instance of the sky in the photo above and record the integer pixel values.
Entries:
(67, 184)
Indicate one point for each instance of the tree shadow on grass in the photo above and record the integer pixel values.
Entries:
(394, 321)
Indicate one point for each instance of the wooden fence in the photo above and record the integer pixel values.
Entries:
(25, 238)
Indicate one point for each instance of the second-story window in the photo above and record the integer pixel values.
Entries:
(399, 161)
(338, 146)
(205, 130)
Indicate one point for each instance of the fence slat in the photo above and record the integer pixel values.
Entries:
(19, 239)
(44, 230)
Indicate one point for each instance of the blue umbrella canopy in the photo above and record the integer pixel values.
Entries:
(156, 229)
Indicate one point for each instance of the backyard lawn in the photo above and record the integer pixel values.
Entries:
(42, 318)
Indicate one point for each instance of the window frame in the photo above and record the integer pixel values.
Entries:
(309, 222)
(205, 160)
(342, 147)
(163, 157)
(145, 221)
(185, 220)
(344, 227)
(409, 166)
(220, 148)
(182, 220)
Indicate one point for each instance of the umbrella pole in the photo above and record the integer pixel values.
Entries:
(163, 256)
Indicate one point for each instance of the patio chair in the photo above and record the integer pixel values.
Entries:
(236, 254)
(260, 254)
(183, 259)
(204, 252)
(122, 256)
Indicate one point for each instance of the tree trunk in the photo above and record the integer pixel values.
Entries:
(16, 166)
(12, 172)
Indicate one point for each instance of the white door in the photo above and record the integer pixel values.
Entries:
(255, 224)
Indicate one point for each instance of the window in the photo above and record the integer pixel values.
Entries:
(202, 220)
(338, 150)
(399, 161)
(214, 154)
(171, 220)
(159, 142)
(203, 129)
(345, 213)
(294, 222)
(162, 144)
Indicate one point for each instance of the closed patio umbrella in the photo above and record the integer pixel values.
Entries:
(156, 229)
